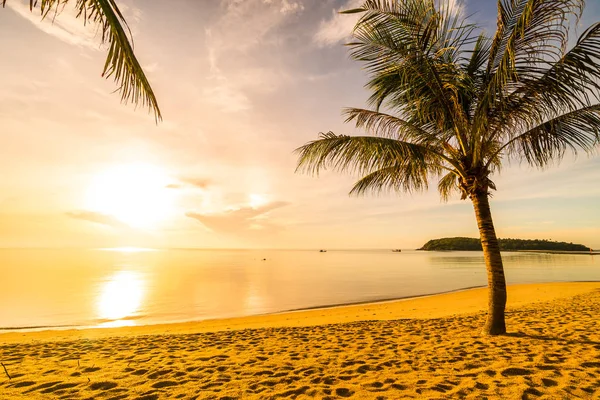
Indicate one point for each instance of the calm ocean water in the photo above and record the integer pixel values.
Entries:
(58, 287)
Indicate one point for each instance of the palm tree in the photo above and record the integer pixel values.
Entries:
(121, 63)
(451, 104)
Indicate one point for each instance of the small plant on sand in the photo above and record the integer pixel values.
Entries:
(453, 104)
(121, 63)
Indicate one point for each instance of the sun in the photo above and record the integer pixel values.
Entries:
(134, 194)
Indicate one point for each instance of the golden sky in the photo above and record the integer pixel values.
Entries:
(241, 84)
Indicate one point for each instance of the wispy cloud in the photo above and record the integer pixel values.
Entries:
(199, 183)
(227, 97)
(339, 26)
(63, 25)
(240, 220)
(98, 218)
(230, 41)
(455, 7)
(289, 6)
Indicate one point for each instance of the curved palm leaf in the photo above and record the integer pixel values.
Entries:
(548, 141)
(388, 125)
(364, 154)
(416, 46)
(121, 62)
(400, 178)
(448, 184)
(567, 85)
(530, 34)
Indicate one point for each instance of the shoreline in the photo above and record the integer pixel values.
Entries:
(41, 328)
(429, 347)
(428, 306)
(589, 253)
(128, 324)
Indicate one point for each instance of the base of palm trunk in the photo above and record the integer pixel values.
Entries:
(494, 326)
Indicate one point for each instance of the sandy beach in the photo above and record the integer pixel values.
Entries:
(427, 347)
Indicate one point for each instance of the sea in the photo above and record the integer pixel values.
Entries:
(82, 288)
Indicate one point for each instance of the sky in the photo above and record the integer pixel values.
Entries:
(241, 84)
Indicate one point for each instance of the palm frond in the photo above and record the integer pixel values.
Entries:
(479, 57)
(388, 125)
(361, 154)
(399, 178)
(415, 46)
(568, 84)
(547, 142)
(448, 185)
(530, 34)
(121, 63)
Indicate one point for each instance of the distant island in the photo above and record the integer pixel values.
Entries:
(472, 244)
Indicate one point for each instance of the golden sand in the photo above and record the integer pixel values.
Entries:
(428, 348)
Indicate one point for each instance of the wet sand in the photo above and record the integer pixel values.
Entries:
(427, 347)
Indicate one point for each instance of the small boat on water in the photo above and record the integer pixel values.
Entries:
(322, 251)
(397, 251)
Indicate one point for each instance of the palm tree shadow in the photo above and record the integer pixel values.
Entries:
(552, 338)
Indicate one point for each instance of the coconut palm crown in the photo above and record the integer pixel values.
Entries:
(451, 104)
(121, 63)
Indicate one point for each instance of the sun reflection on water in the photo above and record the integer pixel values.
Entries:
(120, 298)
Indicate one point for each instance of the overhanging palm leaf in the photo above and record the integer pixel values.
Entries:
(458, 104)
(530, 34)
(565, 85)
(548, 141)
(362, 154)
(387, 125)
(407, 177)
(121, 63)
(413, 45)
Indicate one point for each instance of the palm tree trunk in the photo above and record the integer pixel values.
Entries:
(495, 324)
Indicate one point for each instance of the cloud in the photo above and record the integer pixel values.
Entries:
(233, 42)
(65, 26)
(97, 218)
(456, 7)
(200, 183)
(227, 97)
(339, 26)
(240, 220)
(291, 7)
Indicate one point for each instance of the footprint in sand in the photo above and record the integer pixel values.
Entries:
(24, 384)
(163, 384)
(139, 372)
(343, 392)
(516, 371)
(159, 373)
(105, 385)
(43, 386)
(549, 382)
(59, 387)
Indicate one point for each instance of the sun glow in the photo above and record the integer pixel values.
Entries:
(134, 194)
(257, 200)
(121, 296)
